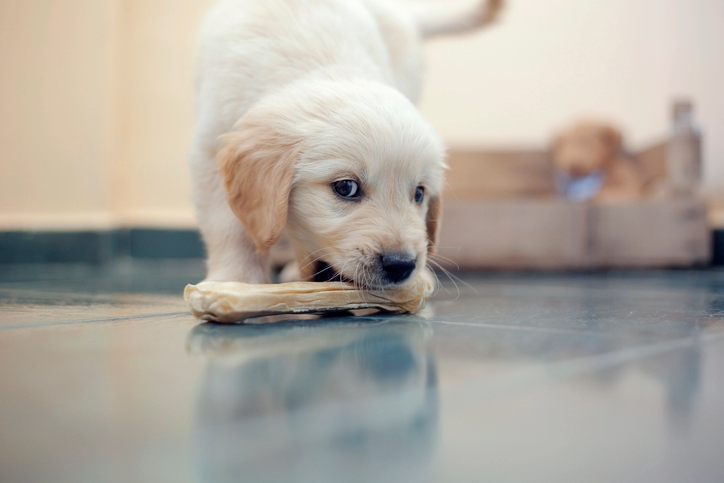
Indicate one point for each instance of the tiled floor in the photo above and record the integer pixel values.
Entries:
(562, 378)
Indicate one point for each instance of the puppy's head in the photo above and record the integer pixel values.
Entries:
(585, 148)
(350, 169)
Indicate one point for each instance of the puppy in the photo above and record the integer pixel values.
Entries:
(591, 163)
(307, 125)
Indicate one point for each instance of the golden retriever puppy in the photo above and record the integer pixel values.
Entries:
(591, 163)
(307, 125)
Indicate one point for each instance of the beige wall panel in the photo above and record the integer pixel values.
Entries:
(96, 96)
(156, 110)
(56, 121)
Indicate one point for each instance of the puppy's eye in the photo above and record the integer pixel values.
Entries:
(347, 189)
(420, 195)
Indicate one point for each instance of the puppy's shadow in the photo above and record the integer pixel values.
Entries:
(304, 400)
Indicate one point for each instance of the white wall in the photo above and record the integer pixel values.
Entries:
(551, 61)
(96, 96)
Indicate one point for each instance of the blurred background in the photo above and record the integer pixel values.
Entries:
(585, 376)
(97, 98)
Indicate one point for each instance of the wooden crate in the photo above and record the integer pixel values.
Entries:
(545, 234)
(660, 233)
(502, 212)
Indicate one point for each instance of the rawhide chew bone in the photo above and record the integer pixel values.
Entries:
(235, 301)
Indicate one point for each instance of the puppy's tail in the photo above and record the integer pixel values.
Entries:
(463, 16)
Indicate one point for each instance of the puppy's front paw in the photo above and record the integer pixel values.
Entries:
(290, 273)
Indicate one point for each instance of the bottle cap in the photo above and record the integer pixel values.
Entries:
(682, 107)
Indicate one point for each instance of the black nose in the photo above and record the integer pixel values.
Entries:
(397, 267)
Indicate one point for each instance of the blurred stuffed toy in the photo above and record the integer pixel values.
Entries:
(590, 164)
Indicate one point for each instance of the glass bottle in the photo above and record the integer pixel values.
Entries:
(684, 152)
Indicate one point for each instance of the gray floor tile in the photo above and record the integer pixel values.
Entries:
(528, 377)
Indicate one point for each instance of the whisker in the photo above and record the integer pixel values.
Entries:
(437, 279)
(447, 272)
(448, 275)
(445, 259)
(362, 283)
(328, 267)
(453, 278)
(315, 260)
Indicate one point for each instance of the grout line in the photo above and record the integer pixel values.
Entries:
(528, 328)
(517, 328)
(65, 323)
(571, 368)
(615, 358)
(110, 298)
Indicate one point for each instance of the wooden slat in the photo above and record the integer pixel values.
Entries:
(482, 174)
(661, 233)
(716, 214)
(537, 234)
(497, 174)
(652, 164)
(548, 234)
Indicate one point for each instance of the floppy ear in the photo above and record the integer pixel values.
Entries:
(257, 165)
(433, 220)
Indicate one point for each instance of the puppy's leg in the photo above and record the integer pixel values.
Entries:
(463, 16)
(231, 255)
(290, 273)
(306, 266)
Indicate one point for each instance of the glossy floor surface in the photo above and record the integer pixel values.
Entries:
(564, 378)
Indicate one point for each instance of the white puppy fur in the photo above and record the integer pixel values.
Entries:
(302, 102)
